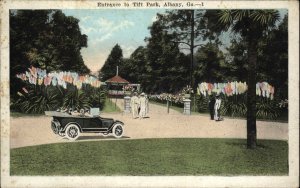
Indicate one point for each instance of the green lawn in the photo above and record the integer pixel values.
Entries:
(110, 106)
(165, 105)
(180, 156)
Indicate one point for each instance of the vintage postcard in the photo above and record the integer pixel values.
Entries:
(149, 93)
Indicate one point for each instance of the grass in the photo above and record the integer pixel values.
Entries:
(176, 108)
(109, 106)
(180, 156)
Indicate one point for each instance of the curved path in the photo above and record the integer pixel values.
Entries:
(28, 131)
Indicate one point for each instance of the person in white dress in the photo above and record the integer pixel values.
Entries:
(217, 107)
(143, 106)
(134, 104)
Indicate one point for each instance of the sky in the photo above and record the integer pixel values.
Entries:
(105, 28)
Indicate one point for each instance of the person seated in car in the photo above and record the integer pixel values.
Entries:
(87, 113)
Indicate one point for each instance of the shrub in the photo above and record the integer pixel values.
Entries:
(38, 99)
(97, 97)
(236, 106)
(202, 103)
(48, 98)
(175, 100)
(267, 109)
(76, 99)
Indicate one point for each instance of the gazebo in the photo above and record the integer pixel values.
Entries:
(116, 88)
(115, 85)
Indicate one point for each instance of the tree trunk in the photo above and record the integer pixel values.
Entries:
(251, 94)
(192, 49)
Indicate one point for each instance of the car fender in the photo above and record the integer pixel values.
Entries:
(116, 121)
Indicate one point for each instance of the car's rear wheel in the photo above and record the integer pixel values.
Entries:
(55, 126)
(72, 132)
(118, 130)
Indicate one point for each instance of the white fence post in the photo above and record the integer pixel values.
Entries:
(187, 107)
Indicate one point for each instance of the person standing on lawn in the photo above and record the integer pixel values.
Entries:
(143, 106)
(217, 107)
(134, 104)
(211, 106)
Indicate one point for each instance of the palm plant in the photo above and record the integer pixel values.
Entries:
(202, 103)
(38, 99)
(234, 106)
(267, 109)
(76, 99)
(251, 25)
(97, 97)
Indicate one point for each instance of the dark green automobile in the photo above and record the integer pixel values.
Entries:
(71, 126)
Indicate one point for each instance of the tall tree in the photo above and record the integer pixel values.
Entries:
(158, 67)
(235, 67)
(165, 60)
(209, 60)
(251, 25)
(25, 26)
(114, 59)
(188, 27)
(68, 42)
(134, 69)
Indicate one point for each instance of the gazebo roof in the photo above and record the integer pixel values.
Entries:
(117, 80)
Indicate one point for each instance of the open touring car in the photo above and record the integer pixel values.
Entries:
(71, 126)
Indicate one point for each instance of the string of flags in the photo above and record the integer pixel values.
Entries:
(235, 88)
(39, 76)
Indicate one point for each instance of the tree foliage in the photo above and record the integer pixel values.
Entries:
(210, 63)
(136, 68)
(235, 58)
(273, 59)
(168, 64)
(187, 27)
(114, 59)
(158, 67)
(47, 39)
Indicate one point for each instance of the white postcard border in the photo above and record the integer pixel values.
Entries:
(154, 181)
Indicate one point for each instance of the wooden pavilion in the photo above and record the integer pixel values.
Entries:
(115, 85)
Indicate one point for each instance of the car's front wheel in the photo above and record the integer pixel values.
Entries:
(118, 130)
(72, 132)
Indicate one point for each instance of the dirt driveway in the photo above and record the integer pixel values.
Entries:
(28, 131)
